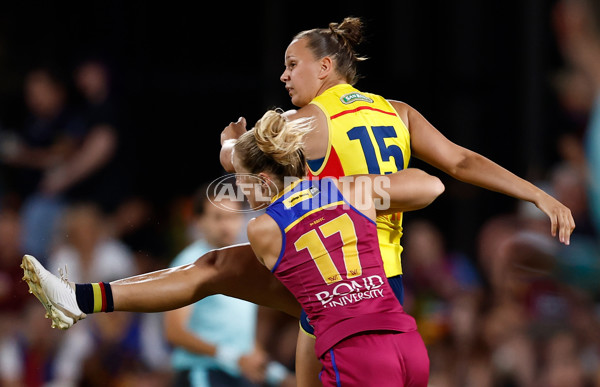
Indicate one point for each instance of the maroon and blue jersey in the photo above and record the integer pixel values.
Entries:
(330, 260)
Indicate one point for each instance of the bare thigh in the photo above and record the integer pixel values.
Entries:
(233, 271)
(308, 365)
(239, 274)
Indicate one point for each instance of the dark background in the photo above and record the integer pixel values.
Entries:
(479, 71)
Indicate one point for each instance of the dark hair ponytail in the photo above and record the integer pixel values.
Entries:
(339, 42)
(348, 33)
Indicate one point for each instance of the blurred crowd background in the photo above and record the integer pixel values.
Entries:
(110, 116)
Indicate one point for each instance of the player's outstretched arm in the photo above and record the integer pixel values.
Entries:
(407, 190)
(429, 145)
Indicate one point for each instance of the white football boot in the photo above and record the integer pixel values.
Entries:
(56, 294)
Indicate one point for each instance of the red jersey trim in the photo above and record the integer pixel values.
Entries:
(361, 108)
(331, 168)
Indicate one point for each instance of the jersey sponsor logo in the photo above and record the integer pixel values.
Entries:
(351, 292)
(299, 197)
(349, 98)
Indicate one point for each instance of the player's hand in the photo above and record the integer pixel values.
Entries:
(234, 130)
(253, 366)
(561, 219)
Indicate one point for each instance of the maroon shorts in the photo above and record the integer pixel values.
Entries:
(377, 359)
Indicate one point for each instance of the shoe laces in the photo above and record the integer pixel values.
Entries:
(64, 276)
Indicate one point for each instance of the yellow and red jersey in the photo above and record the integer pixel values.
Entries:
(366, 135)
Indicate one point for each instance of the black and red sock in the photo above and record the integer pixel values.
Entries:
(94, 297)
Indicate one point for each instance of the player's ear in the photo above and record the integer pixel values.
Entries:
(264, 178)
(326, 67)
(266, 183)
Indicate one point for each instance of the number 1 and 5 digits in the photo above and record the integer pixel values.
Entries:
(343, 224)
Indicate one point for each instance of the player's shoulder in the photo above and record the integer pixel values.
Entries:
(317, 140)
(260, 228)
(402, 109)
(262, 232)
(310, 110)
(399, 105)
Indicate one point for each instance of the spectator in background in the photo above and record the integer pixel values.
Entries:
(121, 350)
(13, 298)
(63, 157)
(96, 171)
(577, 26)
(103, 352)
(579, 265)
(88, 249)
(101, 172)
(533, 299)
(49, 137)
(50, 132)
(562, 362)
(214, 339)
(13, 293)
(443, 294)
(28, 357)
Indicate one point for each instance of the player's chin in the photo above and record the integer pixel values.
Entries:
(299, 101)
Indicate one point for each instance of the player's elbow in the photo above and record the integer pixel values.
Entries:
(468, 162)
(434, 188)
(438, 187)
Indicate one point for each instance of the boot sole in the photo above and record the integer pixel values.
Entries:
(53, 312)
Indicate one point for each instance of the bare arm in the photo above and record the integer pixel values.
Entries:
(410, 189)
(229, 136)
(407, 190)
(97, 149)
(23, 155)
(429, 145)
(316, 141)
(178, 335)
